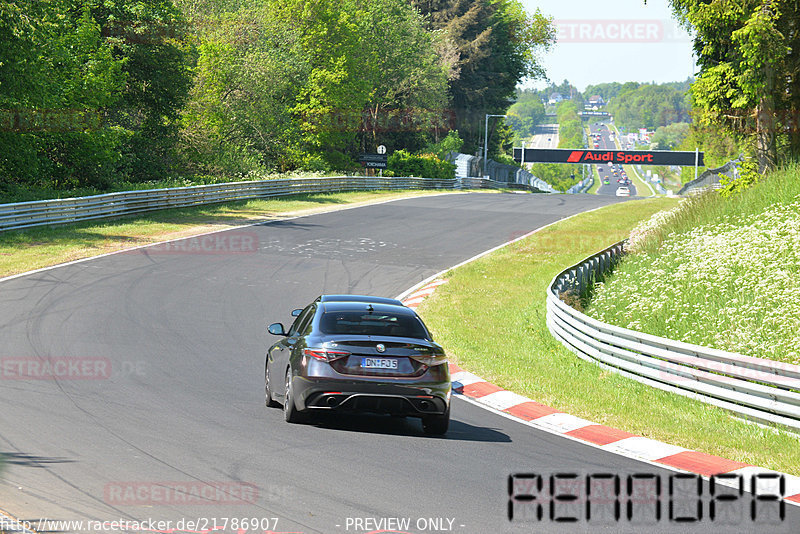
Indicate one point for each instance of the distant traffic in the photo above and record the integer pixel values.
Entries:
(613, 177)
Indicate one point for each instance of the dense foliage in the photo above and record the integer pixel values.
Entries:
(90, 91)
(565, 89)
(525, 114)
(718, 147)
(570, 125)
(495, 44)
(749, 57)
(97, 92)
(649, 105)
(670, 136)
(561, 176)
(402, 163)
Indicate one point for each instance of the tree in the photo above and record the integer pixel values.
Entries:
(405, 77)
(240, 117)
(605, 90)
(570, 125)
(561, 176)
(749, 56)
(496, 44)
(670, 136)
(286, 84)
(525, 114)
(151, 39)
(58, 79)
(649, 105)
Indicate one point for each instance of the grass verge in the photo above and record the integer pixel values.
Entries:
(34, 248)
(743, 251)
(502, 297)
(596, 181)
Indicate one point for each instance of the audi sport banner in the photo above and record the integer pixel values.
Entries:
(643, 157)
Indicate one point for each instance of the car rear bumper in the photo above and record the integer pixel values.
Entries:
(410, 405)
(324, 389)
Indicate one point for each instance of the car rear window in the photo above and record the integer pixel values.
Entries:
(372, 324)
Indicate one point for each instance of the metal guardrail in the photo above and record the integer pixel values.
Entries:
(53, 212)
(762, 390)
(483, 183)
(471, 167)
(710, 179)
(582, 186)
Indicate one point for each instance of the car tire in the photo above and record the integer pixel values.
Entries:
(436, 425)
(269, 401)
(290, 411)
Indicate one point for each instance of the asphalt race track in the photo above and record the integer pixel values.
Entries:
(166, 398)
(606, 143)
(545, 136)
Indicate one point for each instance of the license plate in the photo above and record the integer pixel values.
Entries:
(379, 363)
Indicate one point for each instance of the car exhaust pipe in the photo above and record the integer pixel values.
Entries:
(332, 401)
(424, 405)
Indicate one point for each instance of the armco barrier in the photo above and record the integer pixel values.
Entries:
(710, 179)
(53, 212)
(754, 388)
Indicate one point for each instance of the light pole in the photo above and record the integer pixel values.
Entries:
(486, 140)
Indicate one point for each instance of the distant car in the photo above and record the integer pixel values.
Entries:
(606, 181)
(355, 353)
(623, 192)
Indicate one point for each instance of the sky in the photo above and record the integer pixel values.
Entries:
(614, 41)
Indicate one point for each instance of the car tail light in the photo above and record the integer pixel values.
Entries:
(326, 355)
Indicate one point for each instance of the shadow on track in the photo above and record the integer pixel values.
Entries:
(398, 426)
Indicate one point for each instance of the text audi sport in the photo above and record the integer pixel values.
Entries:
(354, 353)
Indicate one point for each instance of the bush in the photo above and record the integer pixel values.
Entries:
(561, 176)
(403, 163)
(451, 143)
(748, 176)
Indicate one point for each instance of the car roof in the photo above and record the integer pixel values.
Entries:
(359, 298)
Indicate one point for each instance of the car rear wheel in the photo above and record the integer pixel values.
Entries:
(290, 411)
(436, 425)
(270, 402)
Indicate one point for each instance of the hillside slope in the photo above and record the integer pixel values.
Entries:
(719, 272)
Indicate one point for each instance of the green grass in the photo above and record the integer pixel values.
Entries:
(642, 189)
(780, 187)
(596, 183)
(501, 298)
(34, 248)
(670, 179)
(743, 251)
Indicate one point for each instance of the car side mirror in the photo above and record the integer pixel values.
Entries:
(276, 329)
(297, 312)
